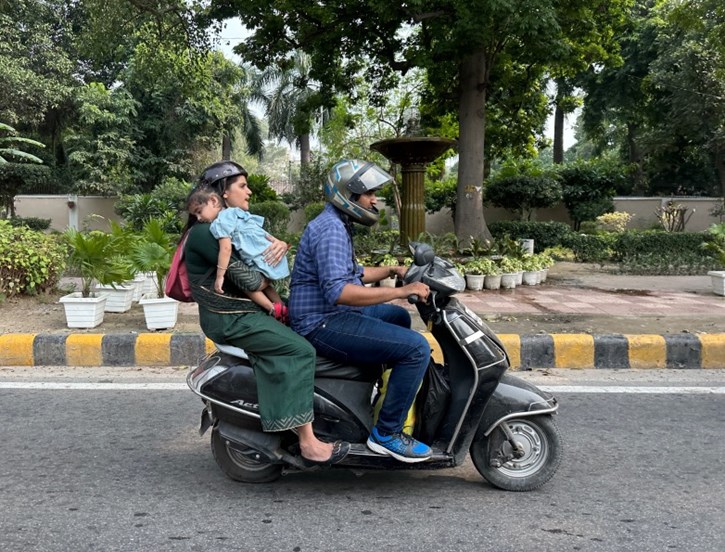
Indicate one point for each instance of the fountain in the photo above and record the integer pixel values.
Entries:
(412, 153)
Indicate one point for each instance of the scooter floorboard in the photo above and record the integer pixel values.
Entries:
(360, 456)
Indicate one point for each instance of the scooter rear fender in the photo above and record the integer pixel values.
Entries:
(514, 398)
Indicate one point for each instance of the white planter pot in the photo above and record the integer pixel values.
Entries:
(474, 281)
(717, 277)
(160, 313)
(387, 282)
(149, 283)
(542, 275)
(138, 284)
(508, 281)
(83, 312)
(492, 281)
(519, 277)
(530, 278)
(120, 298)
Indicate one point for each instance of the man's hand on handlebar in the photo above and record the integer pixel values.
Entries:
(419, 289)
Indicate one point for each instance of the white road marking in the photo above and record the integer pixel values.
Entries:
(160, 386)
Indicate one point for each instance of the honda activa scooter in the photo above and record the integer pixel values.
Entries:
(468, 404)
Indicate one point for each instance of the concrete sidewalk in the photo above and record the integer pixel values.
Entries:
(571, 289)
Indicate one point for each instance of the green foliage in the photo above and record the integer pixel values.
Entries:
(276, 216)
(510, 265)
(481, 266)
(559, 253)
(369, 241)
(445, 245)
(313, 209)
(261, 190)
(34, 223)
(152, 252)
(93, 255)
(544, 234)
(100, 144)
(30, 261)
(165, 203)
(590, 248)
(440, 194)
(588, 189)
(715, 245)
(523, 194)
(308, 188)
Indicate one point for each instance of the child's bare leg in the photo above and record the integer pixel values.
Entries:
(261, 299)
(272, 294)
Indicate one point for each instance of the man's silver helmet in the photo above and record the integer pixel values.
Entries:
(347, 181)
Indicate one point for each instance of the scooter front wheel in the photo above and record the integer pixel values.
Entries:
(241, 465)
(540, 453)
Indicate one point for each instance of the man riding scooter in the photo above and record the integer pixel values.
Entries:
(345, 320)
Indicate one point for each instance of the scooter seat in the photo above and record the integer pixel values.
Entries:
(326, 368)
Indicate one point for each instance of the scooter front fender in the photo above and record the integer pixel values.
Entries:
(514, 398)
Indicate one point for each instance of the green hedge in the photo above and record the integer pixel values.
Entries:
(652, 252)
(544, 234)
(34, 223)
(276, 216)
(30, 261)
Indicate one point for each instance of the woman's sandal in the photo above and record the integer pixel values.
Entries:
(340, 449)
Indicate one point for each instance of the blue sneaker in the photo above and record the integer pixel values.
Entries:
(400, 446)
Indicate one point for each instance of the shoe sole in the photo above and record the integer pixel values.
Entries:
(407, 459)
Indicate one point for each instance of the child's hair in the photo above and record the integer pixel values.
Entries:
(199, 195)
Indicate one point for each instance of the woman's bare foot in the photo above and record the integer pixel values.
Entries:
(316, 450)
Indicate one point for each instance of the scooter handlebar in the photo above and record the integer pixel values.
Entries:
(413, 298)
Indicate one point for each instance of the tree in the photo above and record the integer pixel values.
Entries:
(14, 173)
(462, 38)
(289, 96)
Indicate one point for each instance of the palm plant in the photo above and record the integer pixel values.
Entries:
(92, 255)
(287, 94)
(153, 253)
(8, 150)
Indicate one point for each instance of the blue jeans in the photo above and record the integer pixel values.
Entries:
(381, 334)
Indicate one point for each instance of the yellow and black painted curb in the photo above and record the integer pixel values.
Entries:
(526, 352)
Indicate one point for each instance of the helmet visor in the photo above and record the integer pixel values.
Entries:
(368, 178)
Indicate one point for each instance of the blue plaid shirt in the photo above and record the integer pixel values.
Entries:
(324, 264)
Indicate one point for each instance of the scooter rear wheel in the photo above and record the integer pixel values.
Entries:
(542, 445)
(240, 465)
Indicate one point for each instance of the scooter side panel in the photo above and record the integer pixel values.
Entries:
(515, 396)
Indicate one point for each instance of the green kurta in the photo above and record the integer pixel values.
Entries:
(283, 361)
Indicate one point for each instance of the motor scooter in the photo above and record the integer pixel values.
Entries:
(468, 404)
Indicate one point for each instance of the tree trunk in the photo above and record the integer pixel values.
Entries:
(304, 149)
(226, 147)
(720, 167)
(469, 220)
(635, 158)
(558, 134)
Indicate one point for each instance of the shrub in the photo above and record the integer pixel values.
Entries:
(657, 252)
(544, 234)
(482, 266)
(588, 188)
(276, 216)
(34, 223)
(614, 222)
(523, 194)
(30, 261)
(591, 248)
(313, 209)
(261, 190)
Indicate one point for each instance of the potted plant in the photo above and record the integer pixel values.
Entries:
(88, 257)
(118, 283)
(530, 266)
(510, 269)
(545, 262)
(716, 247)
(388, 260)
(475, 273)
(152, 252)
(493, 275)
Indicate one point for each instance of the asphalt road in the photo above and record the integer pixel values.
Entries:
(126, 470)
